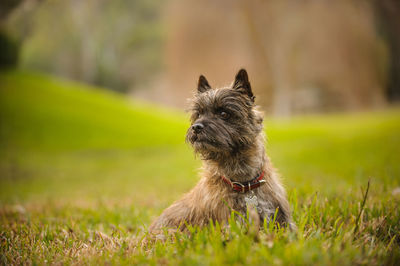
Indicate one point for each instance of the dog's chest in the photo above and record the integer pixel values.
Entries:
(256, 200)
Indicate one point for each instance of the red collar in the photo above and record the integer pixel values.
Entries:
(245, 186)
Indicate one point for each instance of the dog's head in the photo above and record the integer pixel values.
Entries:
(223, 121)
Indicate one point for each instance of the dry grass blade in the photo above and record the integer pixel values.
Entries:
(361, 209)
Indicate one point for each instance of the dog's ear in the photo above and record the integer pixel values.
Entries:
(242, 84)
(203, 85)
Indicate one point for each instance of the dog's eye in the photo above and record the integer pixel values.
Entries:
(195, 116)
(224, 115)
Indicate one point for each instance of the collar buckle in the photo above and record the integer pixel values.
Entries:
(239, 184)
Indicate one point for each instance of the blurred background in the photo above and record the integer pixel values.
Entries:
(98, 88)
(92, 93)
(92, 121)
(302, 56)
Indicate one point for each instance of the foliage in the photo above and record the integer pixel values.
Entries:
(83, 173)
(9, 50)
(116, 43)
(6, 6)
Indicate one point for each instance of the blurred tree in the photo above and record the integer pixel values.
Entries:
(9, 47)
(8, 50)
(115, 44)
(389, 19)
(6, 6)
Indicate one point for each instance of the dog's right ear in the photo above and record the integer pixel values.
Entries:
(203, 85)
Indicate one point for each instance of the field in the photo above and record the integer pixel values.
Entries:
(83, 172)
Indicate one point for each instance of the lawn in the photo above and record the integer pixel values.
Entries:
(84, 171)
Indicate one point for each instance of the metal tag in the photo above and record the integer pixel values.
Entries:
(251, 200)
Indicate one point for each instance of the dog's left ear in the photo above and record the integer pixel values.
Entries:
(242, 84)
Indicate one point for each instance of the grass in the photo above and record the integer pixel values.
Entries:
(83, 172)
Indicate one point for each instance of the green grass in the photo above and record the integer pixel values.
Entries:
(83, 172)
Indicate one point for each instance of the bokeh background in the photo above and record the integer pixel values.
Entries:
(303, 56)
(92, 124)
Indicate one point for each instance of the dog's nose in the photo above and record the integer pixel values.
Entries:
(198, 127)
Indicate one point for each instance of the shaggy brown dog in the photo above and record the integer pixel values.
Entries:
(227, 133)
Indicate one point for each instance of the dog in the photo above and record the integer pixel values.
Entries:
(227, 133)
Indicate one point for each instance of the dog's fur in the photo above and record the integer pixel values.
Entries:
(230, 144)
